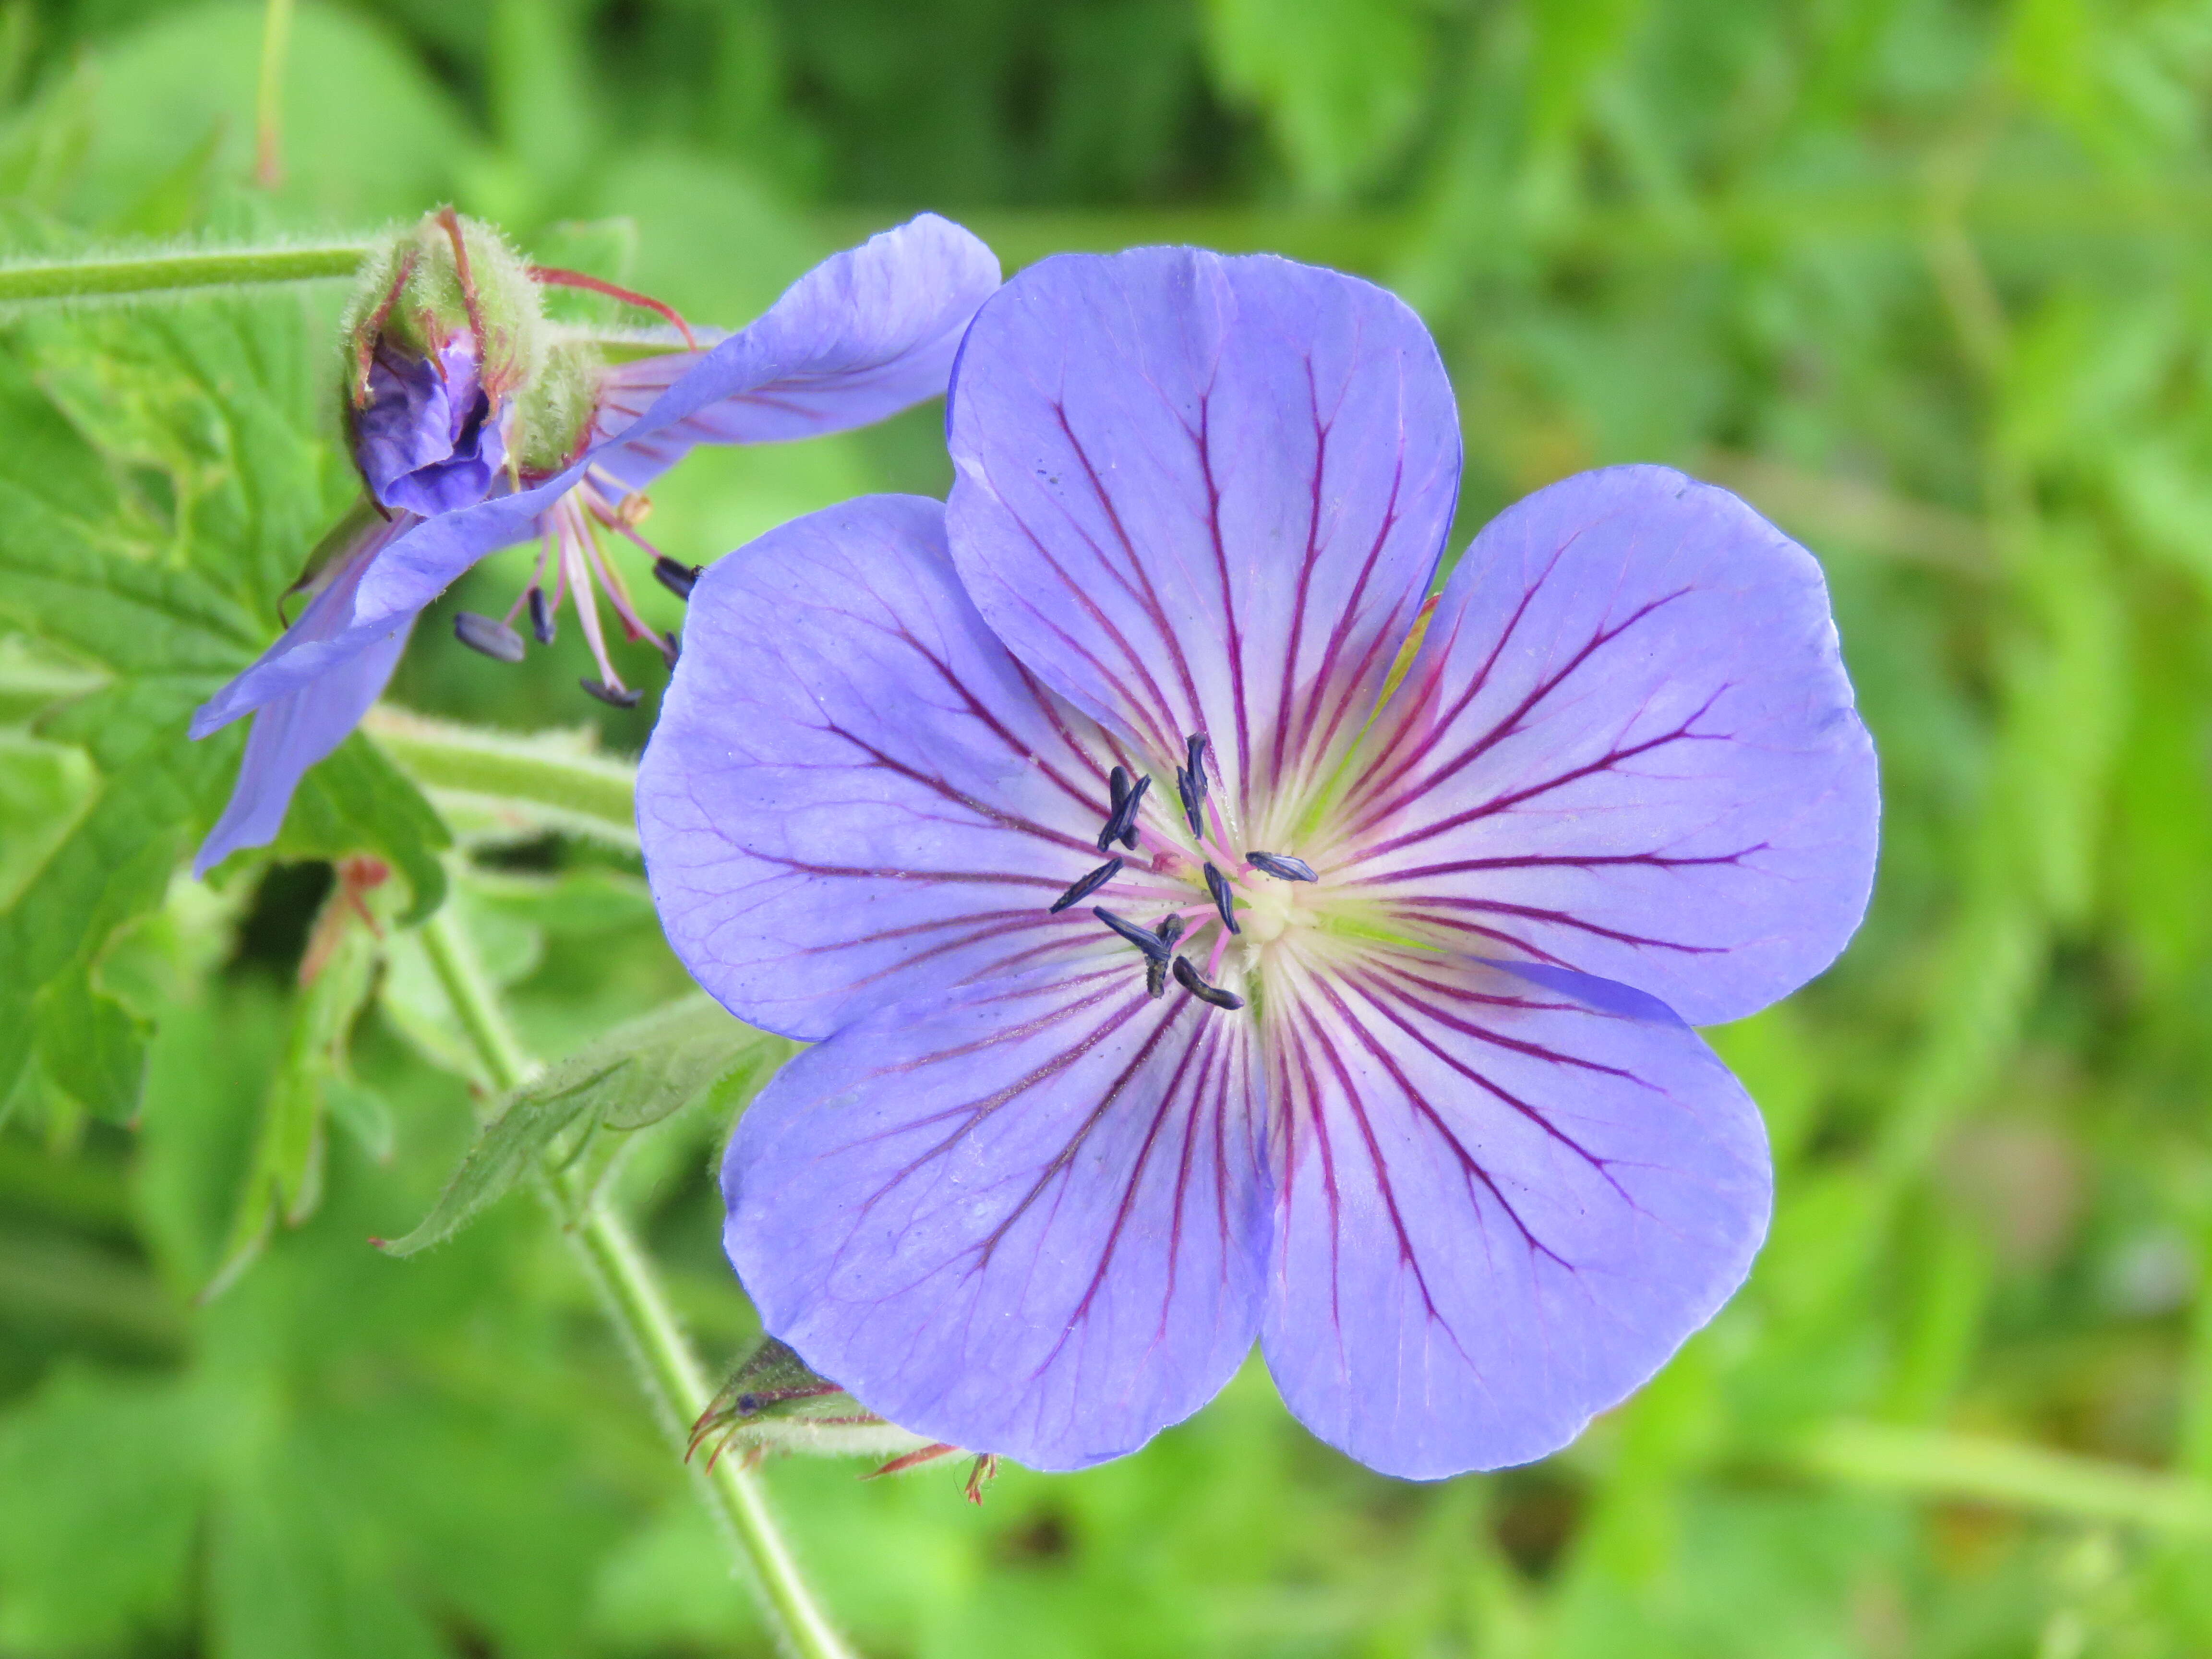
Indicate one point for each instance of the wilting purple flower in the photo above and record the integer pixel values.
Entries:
(1430, 1126)
(865, 334)
(429, 440)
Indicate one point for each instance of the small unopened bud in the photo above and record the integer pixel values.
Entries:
(774, 1401)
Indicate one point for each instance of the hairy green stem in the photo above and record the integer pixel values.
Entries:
(552, 779)
(107, 277)
(635, 1303)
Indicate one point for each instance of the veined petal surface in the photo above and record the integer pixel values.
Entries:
(289, 735)
(1203, 495)
(1029, 1217)
(1508, 1195)
(865, 334)
(854, 794)
(1627, 746)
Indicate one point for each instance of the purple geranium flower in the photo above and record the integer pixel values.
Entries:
(429, 439)
(864, 335)
(1200, 950)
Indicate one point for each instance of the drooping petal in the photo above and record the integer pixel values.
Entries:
(1203, 495)
(341, 624)
(289, 735)
(854, 794)
(1026, 1219)
(862, 335)
(1628, 746)
(319, 642)
(1509, 1196)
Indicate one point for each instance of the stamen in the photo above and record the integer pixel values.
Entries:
(1218, 885)
(1143, 938)
(577, 576)
(1187, 976)
(1122, 826)
(488, 634)
(1281, 867)
(610, 577)
(1089, 884)
(1196, 765)
(678, 578)
(1117, 784)
(1170, 931)
(617, 696)
(1156, 979)
(541, 615)
(1193, 801)
(670, 649)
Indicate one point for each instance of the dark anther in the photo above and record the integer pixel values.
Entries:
(618, 698)
(1193, 801)
(1188, 977)
(1118, 783)
(678, 579)
(1143, 938)
(1122, 826)
(1282, 868)
(1196, 764)
(671, 647)
(1218, 885)
(1090, 885)
(541, 615)
(488, 634)
(1155, 968)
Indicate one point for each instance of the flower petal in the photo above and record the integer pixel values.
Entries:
(1203, 495)
(910, 292)
(308, 648)
(1028, 1219)
(862, 335)
(854, 794)
(1511, 1193)
(289, 735)
(339, 623)
(1628, 746)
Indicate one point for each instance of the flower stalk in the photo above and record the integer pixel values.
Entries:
(637, 1305)
(111, 277)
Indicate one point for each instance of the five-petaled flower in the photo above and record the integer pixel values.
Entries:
(1369, 1037)
(864, 335)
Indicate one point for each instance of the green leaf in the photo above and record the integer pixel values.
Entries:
(636, 1075)
(162, 480)
(357, 800)
(97, 1534)
(285, 1179)
(1340, 81)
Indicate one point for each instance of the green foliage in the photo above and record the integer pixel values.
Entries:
(643, 1071)
(1924, 279)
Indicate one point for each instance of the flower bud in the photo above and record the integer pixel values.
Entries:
(775, 1403)
(445, 335)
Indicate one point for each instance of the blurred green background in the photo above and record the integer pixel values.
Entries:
(1926, 280)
